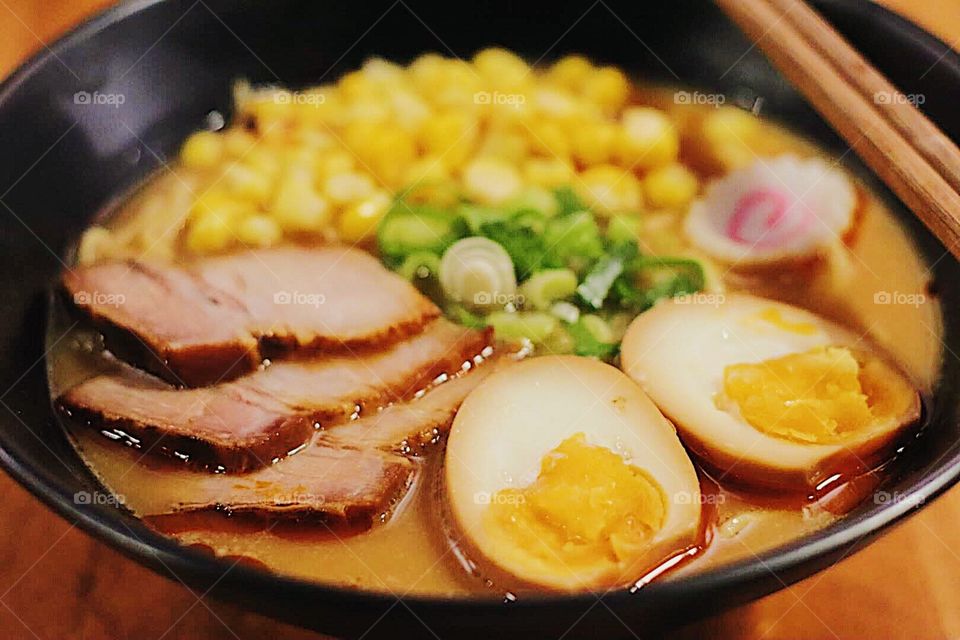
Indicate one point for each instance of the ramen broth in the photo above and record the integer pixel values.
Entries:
(416, 550)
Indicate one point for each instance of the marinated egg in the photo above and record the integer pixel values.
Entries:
(561, 473)
(767, 392)
(774, 210)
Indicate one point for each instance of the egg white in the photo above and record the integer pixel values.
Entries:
(513, 419)
(678, 351)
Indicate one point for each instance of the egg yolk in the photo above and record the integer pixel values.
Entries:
(587, 509)
(818, 396)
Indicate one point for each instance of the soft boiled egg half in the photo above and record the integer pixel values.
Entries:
(767, 392)
(561, 473)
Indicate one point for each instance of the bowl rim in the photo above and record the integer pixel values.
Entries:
(166, 556)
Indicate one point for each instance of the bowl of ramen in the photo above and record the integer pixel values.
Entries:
(382, 324)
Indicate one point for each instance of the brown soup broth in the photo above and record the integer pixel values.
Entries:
(415, 551)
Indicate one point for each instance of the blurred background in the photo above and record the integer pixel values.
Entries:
(55, 582)
(29, 24)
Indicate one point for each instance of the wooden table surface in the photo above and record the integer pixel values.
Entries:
(55, 582)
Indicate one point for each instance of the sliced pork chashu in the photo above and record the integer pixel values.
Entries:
(327, 485)
(247, 423)
(352, 475)
(408, 427)
(219, 317)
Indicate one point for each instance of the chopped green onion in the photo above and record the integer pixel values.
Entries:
(475, 216)
(618, 323)
(463, 316)
(595, 288)
(544, 287)
(623, 228)
(548, 242)
(530, 219)
(534, 326)
(478, 272)
(422, 269)
(656, 278)
(683, 275)
(568, 201)
(408, 229)
(534, 199)
(566, 311)
(573, 241)
(598, 328)
(525, 246)
(558, 342)
(587, 343)
(420, 265)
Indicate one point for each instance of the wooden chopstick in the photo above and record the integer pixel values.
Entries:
(926, 138)
(917, 161)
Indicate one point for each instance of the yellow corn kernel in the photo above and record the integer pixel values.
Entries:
(270, 108)
(394, 151)
(248, 182)
(202, 150)
(730, 132)
(360, 136)
(733, 155)
(342, 188)
(570, 72)
(556, 103)
(210, 233)
(547, 172)
(461, 73)
(384, 151)
(321, 107)
(409, 110)
(457, 86)
(593, 143)
(357, 85)
(237, 142)
(608, 189)
(359, 220)
(219, 202)
(297, 206)
(506, 145)
(671, 186)
(648, 138)
(730, 125)
(300, 158)
(312, 106)
(608, 88)
(426, 72)
(503, 107)
(450, 135)
(259, 230)
(367, 111)
(491, 180)
(265, 159)
(314, 139)
(95, 245)
(335, 162)
(548, 139)
(426, 169)
(383, 72)
(502, 67)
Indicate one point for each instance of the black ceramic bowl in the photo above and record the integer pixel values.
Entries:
(64, 154)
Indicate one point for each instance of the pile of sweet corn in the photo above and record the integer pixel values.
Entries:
(328, 161)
